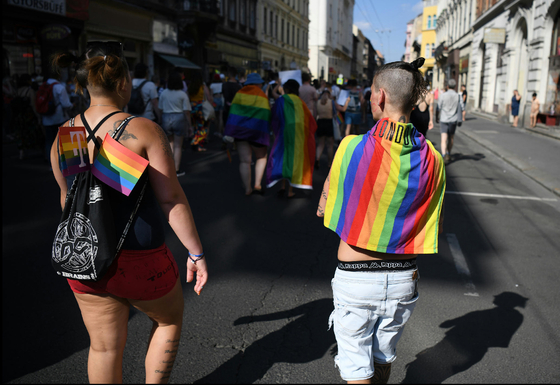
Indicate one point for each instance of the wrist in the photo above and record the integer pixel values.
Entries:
(194, 258)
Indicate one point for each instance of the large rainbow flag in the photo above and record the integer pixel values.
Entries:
(293, 153)
(117, 166)
(386, 190)
(249, 116)
(73, 150)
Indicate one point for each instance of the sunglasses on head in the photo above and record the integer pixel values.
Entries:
(109, 47)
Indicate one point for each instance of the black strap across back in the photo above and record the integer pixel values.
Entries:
(92, 132)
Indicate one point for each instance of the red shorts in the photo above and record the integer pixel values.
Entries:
(135, 274)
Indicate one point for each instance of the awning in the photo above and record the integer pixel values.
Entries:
(179, 61)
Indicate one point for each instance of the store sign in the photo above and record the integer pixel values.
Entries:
(464, 64)
(25, 34)
(55, 32)
(50, 6)
(495, 35)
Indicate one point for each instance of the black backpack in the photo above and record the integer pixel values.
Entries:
(87, 239)
(136, 104)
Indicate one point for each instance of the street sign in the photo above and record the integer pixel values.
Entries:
(495, 35)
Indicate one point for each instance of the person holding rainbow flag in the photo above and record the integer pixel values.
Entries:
(292, 156)
(249, 124)
(383, 197)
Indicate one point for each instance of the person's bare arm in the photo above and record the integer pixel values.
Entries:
(157, 111)
(60, 179)
(342, 108)
(276, 91)
(208, 94)
(430, 110)
(323, 199)
(171, 197)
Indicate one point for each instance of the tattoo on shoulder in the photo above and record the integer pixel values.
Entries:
(125, 135)
(164, 141)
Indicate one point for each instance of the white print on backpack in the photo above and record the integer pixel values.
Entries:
(80, 150)
(95, 195)
(79, 248)
(376, 265)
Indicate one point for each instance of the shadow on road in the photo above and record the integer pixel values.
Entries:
(468, 340)
(458, 157)
(302, 340)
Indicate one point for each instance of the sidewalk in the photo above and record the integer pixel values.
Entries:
(535, 152)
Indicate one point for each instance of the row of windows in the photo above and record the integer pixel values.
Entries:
(432, 22)
(244, 13)
(270, 27)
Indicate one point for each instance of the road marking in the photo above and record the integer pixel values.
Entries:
(500, 196)
(461, 264)
(486, 131)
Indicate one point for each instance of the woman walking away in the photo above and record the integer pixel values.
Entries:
(249, 124)
(176, 116)
(292, 156)
(144, 273)
(198, 92)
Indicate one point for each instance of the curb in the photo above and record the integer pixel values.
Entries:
(540, 131)
(518, 164)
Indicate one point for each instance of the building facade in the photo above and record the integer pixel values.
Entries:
(283, 34)
(331, 38)
(358, 45)
(514, 47)
(370, 65)
(428, 44)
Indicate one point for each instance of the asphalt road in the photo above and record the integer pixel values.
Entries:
(487, 312)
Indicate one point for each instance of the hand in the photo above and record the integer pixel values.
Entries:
(201, 273)
(430, 125)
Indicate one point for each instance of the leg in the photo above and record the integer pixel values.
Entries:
(320, 147)
(260, 165)
(166, 314)
(177, 147)
(291, 192)
(464, 114)
(382, 373)
(348, 127)
(171, 138)
(106, 320)
(245, 155)
(330, 149)
(450, 143)
(443, 143)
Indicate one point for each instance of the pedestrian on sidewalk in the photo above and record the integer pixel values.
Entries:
(249, 125)
(217, 96)
(451, 113)
(514, 107)
(148, 91)
(464, 100)
(535, 108)
(176, 116)
(144, 274)
(422, 115)
(402, 177)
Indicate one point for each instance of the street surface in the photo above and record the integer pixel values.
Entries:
(262, 317)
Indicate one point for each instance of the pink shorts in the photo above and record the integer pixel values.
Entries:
(135, 274)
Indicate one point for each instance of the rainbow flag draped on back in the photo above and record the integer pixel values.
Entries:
(386, 190)
(249, 116)
(293, 153)
(117, 166)
(73, 150)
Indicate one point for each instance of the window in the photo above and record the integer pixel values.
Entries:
(264, 21)
(429, 22)
(282, 31)
(555, 51)
(242, 10)
(293, 35)
(288, 33)
(276, 27)
(427, 53)
(435, 21)
(232, 10)
(330, 11)
(252, 15)
(433, 50)
(271, 23)
(298, 38)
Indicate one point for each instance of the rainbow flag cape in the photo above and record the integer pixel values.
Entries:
(73, 150)
(386, 190)
(293, 153)
(117, 166)
(249, 116)
(339, 117)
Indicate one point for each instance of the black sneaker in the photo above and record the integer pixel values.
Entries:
(180, 173)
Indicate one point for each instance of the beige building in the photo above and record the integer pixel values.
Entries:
(283, 32)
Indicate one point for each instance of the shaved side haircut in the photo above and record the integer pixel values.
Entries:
(403, 83)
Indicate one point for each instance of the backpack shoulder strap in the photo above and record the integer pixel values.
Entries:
(91, 132)
(142, 85)
(119, 131)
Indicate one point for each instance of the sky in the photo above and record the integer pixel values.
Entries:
(384, 24)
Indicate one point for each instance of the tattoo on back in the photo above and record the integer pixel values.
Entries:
(164, 141)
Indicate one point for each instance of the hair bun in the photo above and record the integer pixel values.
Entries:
(416, 64)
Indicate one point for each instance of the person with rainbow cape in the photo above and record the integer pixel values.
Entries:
(292, 156)
(249, 124)
(383, 197)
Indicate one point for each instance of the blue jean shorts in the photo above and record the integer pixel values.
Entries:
(173, 123)
(370, 311)
(352, 118)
